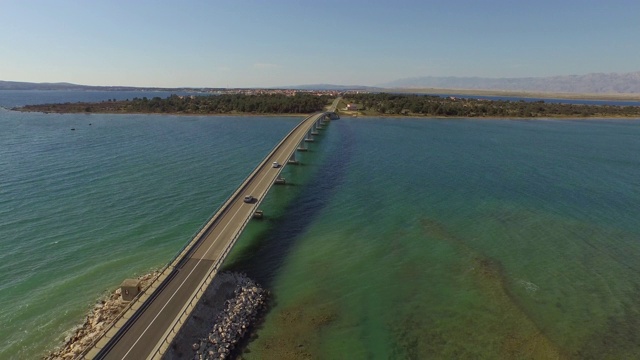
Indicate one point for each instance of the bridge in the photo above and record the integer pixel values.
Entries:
(147, 327)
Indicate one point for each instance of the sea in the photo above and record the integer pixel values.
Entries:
(395, 238)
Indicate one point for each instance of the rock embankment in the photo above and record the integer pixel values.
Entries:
(222, 319)
(97, 321)
(232, 324)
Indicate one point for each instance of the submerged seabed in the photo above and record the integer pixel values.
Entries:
(457, 239)
(397, 238)
(82, 210)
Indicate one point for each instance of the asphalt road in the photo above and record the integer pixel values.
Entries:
(142, 336)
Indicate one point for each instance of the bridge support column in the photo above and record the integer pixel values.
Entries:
(280, 180)
(302, 146)
(309, 137)
(292, 159)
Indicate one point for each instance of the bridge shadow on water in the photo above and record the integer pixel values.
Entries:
(263, 260)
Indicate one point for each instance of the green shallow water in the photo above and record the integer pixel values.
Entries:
(460, 239)
(396, 238)
(82, 210)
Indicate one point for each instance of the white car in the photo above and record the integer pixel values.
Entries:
(248, 199)
(276, 164)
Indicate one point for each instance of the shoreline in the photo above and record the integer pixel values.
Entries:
(393, 116)
(106, 310)
(21, 110)
(341, 113)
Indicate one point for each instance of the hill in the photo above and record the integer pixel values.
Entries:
(18, 85)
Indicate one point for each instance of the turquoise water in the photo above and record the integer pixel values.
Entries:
(82, 210)
(396, 238)
(458, 239)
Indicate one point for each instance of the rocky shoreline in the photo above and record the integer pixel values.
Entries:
(223, 317)
(97, 321)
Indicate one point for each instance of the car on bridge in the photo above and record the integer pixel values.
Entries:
(249, 199)
(276, 164)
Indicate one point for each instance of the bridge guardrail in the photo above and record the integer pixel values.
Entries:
(191, 245)
(187, 249)
(208, 223)
(188, 308)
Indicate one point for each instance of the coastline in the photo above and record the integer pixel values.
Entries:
(346, 114)
(235, 114)
(405, 103)
(425, 117)
(96, 322)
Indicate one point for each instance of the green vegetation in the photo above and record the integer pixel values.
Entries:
(426, 105)
(299, 103)
(372, 104)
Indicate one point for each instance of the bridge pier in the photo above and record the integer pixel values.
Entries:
(292, 159)
(302, 147)
(309, 137)
(280, 180)
(134, 322)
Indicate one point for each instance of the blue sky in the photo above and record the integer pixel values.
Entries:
(243, 43)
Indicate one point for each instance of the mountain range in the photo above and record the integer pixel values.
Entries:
(18, 85)
(594, 83)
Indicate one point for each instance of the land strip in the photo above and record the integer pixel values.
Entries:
(353, 104)
(385, 104)
(225, 104)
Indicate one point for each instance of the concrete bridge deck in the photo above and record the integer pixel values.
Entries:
(147, 328)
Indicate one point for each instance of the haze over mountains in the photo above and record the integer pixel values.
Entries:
(595, 83)
(19, 85)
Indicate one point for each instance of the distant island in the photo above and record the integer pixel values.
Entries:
(353, 104)
(65, 86)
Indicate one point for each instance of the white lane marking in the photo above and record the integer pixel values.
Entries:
(192, 270)
(181, 284)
